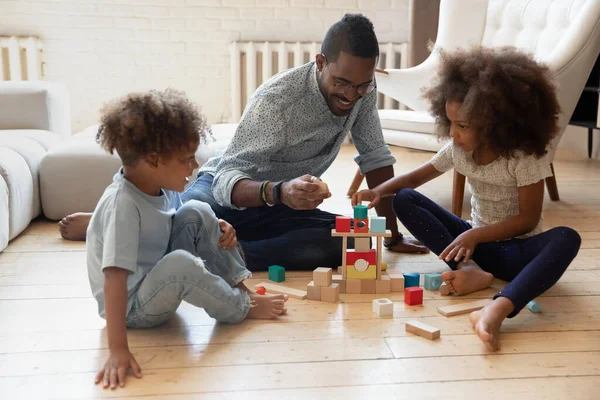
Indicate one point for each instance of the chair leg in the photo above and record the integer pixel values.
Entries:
(356, 182)
(458, 194)
(551, 185)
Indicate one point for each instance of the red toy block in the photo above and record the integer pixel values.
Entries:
(413, 296)
(353, 255)
(261, 290)
(342, 224)
(361, 225)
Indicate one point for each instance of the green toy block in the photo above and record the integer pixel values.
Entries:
(534, 307)
(276, 273)
(360, 212)
(377, 225)
(433, 281)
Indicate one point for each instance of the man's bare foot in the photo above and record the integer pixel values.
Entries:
(409, 245)
(74, 226)
(468, 279)
(488, 320)
(268, 306)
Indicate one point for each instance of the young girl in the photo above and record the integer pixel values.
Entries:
(500, 110)
(146, 252)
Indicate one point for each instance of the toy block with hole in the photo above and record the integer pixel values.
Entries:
(276, 273)
(534, 307)
(444, 289)
(362, 244)
(342, 224)
(377, 224)
(331, 294)
(423, 330)
(369, 256)
(313, 292)
(368, 286)
(397, 282)
(361, 212)
(463, 308)
(413, 296)
(411, 279)
(384, 285)
(433, 281)
(353, 286)
(341, 282)
(383, 307)
(358, 272)
(322, 276)
(278, 289)
(361, 225)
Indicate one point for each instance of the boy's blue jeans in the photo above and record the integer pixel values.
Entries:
(195, 270)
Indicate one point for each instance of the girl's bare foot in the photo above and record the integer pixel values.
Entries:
(268, 306)
(468, 279)
(488, 320)
(74, 226)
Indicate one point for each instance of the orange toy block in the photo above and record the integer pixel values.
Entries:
(361, 225)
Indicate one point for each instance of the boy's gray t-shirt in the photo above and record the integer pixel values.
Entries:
(131, 230)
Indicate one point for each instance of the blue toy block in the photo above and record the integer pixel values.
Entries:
(411, 279)
(276, 273)
(534, 307)
(377, 224)
(433, 281)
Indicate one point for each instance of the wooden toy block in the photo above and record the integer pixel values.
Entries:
(433, 281)
(463, 308)
(313, 292)
(423, 330)
(383, 266)
(534, 307)
(331, 294)
(342, 224)
(444, 289)
(369, 256)
(361, 225)
(322, 276)
(278, 289)
(397, 282)
(353, 286)
(377, 224)
(362, 244)
(341, 282)
(361, 212)
(383, 285)
(340, 270)
(411, 279)
(368, 286)
(383, 307)
(352, 271)
(413, 296)
(276, 273)
(387, 233)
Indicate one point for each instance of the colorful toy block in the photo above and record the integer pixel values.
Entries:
(261, 290)
(353, 272)
(411, 279)
(361, 212)
(534, 307)
(423, 330)
(362, 244)
(313, 292)
(369, 256)
(331, 294)
(383, 307)
(361, 225)
(397, 281)
(276, 273)
(413, 296)
(342, 224)
(322, 276)
(377, 224)
(433, 281)
(384, 285)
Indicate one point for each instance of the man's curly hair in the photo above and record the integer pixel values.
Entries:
(164, 122)
(505, 94)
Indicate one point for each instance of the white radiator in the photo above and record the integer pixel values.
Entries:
(20, 58)
(252, 63)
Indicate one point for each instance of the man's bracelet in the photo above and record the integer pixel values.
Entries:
(277, 192)
(263, 194)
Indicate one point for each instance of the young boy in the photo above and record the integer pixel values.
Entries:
(146, 252)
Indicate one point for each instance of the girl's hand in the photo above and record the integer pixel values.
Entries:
(115, 369)
(228, 239)
(462, 246)
(366, 195)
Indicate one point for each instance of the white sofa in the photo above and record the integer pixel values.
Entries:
(33, 117)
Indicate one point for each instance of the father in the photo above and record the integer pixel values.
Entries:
(292, 129)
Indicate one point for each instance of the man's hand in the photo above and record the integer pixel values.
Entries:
(302, 194)
(115, 369)
(366, 195)
(228, 240)
(462, 246)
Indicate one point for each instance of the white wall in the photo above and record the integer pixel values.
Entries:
(102, 49)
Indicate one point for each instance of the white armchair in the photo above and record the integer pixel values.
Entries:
(564, 34)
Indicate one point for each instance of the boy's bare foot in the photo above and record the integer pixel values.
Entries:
(268, 306)
(488, 320)
(74, 226)
(468, 279)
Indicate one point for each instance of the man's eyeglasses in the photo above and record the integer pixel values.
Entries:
(344, 87)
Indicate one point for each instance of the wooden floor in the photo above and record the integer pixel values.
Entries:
(52, 341)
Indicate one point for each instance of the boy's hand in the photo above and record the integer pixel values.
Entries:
(462, 246)
(228, 240)
(115, 369)
(366, 195)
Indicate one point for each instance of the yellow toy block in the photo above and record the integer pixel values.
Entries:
(369, 273)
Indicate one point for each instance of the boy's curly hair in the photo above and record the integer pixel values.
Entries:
(505, 94)
(164, 122)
